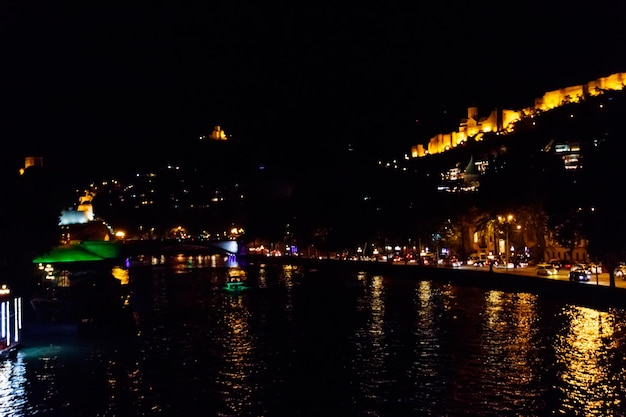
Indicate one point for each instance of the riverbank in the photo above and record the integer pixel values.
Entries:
(581, 293)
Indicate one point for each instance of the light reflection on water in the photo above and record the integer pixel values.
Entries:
(368, 360)
(308, 342)
(587, 352)
(235, 376)
(13, 400)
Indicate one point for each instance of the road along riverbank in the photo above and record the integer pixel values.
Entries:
(580, 293)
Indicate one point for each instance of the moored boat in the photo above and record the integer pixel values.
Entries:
(236, 280)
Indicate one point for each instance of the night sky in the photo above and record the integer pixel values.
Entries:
(102, 79)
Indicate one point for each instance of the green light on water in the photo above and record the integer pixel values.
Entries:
(235, 286)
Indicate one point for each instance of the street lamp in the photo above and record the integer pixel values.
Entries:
(507, 221)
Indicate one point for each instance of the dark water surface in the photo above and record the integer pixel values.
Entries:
(324, 343)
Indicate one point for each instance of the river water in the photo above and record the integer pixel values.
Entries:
(307, 342)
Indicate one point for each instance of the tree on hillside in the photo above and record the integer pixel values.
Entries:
(606, 230)
(525, 226)
(452, 236)
(604, 223)
(568, 229)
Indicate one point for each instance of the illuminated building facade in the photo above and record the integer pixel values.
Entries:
(217, 134)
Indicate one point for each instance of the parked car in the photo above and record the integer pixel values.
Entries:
(546, 269)
(452, 261)
(556, 263)
(620, 271)
(596, 268)
(579, 266)
(476, 259)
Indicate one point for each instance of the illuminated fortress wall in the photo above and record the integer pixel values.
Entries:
(553, 99)
(472, 126)
(612, 82)
(502, 120)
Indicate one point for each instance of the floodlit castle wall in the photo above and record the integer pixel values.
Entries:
(503, 120)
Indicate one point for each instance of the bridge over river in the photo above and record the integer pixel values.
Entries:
(171, 246)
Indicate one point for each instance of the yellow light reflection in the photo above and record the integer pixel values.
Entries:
(120, 274)
(426, 356)
(262, 278)
(234, 377)
(583, 351)
(287, 278)
(370, 346)
(508, 351)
